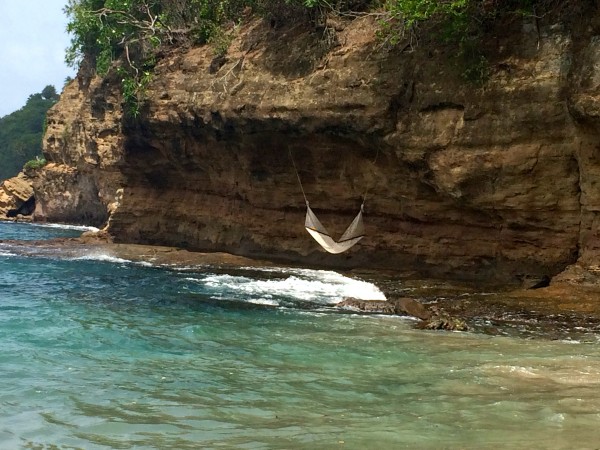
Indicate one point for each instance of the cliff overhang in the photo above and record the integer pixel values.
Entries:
(481, 182)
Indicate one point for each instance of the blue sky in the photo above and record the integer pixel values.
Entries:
(32, 50)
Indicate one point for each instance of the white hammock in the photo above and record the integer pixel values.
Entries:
(354, 233)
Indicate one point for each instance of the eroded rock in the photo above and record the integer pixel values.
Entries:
(369, 306)
(16, 197)
(471, 183)
(443, 322)
(430, 319)
(411, 307)
(402, 306)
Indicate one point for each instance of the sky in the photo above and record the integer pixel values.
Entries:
(32, 50)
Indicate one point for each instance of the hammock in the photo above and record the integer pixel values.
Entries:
(354, 233)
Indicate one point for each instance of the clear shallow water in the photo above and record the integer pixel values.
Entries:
(101, 353)
(32, 232)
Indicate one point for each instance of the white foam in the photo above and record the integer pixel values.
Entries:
(144, 263)
(317, 286)
(65, 226)
(264, 301)
(570, 341)
(105, 257)
(4, 253)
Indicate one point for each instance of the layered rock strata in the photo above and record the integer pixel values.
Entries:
(16, 197)
(497, 180)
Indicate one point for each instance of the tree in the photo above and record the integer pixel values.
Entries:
(49, 93)
(21, 132)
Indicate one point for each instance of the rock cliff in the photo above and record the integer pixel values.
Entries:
(498, 180)
(16, 196)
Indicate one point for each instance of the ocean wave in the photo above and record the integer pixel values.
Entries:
(63, 226)
(104, 257)
(315, 286)
(264, 301)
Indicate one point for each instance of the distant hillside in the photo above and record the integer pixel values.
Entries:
(21, 132)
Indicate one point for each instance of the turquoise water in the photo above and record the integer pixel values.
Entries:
(100, 353)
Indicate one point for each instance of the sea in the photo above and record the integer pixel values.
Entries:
(98, 352)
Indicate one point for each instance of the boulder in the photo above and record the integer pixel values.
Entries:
(16, 195)
(411, 307)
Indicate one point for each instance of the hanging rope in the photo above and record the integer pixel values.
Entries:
(370, 185)
(298, 176)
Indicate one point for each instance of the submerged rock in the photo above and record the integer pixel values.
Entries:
(402, 306)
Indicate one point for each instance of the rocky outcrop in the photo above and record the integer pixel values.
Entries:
(403, 306)
(431, 318)
(84, 144)
(479, 182)
(16, 197)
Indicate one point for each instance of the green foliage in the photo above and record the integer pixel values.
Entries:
(21, 132)
(462, 23)
(49, 93)
(133, 31)
(412, 12)
(134, 89)
(220, 40)
(35, 164)
(127, 35)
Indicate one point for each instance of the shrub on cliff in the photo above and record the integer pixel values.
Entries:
(464, 23)
(35, 164)
(133, 31)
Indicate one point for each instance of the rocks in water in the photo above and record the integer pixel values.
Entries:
(402, 306)
(443, 322)
(431, 320)
(411, 307)
(370, 306)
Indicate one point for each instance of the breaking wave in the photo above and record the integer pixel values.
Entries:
(312, 286)
(62, 226)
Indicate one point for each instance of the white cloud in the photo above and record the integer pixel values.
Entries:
(32, 47)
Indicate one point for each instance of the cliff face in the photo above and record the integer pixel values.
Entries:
(84, 146)
(478, 182)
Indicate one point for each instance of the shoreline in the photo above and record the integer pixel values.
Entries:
(564, 306)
